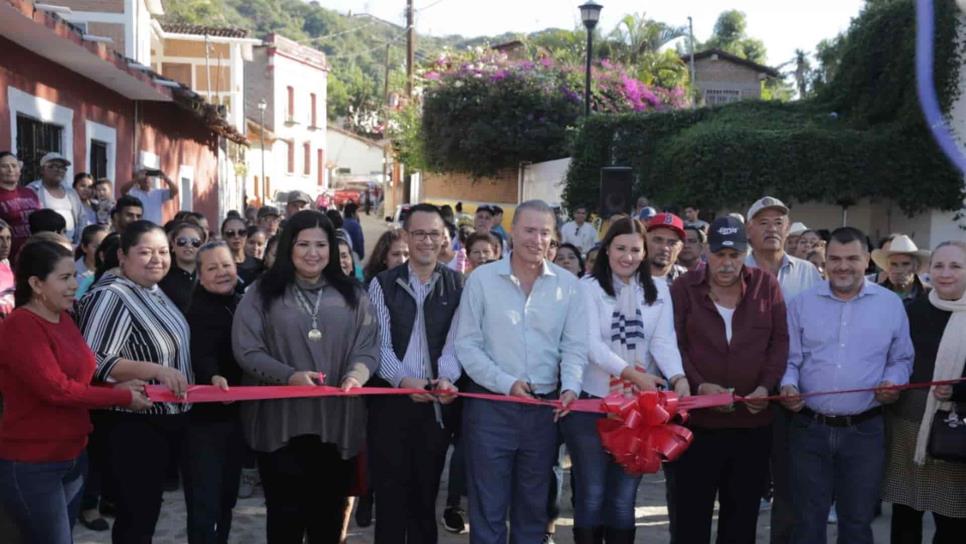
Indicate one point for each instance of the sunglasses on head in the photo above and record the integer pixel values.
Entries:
(182, 242)
(233, 233)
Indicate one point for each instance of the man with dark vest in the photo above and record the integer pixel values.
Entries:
(408, 436)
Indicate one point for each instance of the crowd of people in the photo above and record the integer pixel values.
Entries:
(750, 304)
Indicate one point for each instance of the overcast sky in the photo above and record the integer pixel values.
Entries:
(784, 25)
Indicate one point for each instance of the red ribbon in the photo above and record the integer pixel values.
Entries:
(641, 432)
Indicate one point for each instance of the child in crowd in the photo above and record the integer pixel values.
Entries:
(104, 193)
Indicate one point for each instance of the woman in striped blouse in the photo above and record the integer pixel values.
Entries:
(137, 332)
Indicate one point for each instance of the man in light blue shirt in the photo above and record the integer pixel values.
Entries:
(520, 333)
(837, 442)
(768, 225)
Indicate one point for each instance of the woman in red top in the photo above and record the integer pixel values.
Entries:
(45, 378)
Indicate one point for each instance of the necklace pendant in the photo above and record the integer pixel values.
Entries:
(315, 335)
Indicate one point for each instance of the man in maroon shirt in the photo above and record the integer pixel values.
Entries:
(16, 202)
(733, 336)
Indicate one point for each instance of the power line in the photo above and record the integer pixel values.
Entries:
(424, 8)
(356, 53)
(343, 33)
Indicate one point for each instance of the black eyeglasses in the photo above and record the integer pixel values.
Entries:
(422, 235)
(234, 233)
(182, 242)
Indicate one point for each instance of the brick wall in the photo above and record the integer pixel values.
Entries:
(724, 75)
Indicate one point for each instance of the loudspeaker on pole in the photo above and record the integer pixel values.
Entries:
(616, 183)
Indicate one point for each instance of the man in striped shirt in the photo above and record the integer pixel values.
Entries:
(408, 437)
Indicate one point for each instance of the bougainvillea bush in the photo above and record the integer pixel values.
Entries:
(482, 111)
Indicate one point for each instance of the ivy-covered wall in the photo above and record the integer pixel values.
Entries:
(863, 136)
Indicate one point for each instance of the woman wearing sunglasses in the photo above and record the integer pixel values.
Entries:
(179, 282)
(235, 233)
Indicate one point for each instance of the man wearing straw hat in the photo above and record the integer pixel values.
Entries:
(902, 263)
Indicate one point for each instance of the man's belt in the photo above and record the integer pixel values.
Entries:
(841, 421)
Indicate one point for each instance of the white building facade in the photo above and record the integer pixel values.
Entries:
(289, 81)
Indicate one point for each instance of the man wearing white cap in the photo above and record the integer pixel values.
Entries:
(768, 227)
(57, 195)
(902, 262)
(794, 232)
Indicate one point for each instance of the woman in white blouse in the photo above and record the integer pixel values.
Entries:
(633, 347)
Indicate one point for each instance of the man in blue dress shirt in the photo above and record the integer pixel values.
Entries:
(521, 332)
(837, 442)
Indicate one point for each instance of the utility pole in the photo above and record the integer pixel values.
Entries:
(410, 47)
(691, 63)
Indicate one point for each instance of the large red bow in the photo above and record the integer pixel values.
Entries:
(641, 435)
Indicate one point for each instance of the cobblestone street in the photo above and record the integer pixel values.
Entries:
(652, 523)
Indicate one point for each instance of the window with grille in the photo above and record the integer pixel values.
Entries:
(721, 96)
(34, 140)
(98, 159)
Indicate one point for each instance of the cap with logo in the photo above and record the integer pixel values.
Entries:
(666, 220)
(53, 157)
(266, 211)
(727, 233)
(486, 208)
(768, 202)
(298, 196)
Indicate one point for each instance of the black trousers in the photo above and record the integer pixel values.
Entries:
(305, 483)
(214, 450)
(782, 512)
(407, 448)
(140, 452)
(907, 527)
(98, 483)
(731, 464)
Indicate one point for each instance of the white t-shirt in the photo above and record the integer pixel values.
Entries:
(153, 201)
(61, 206)
(584, 236)
(727, 314)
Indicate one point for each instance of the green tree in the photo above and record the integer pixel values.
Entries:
(636, 35)
(803, 70)
(730, 35)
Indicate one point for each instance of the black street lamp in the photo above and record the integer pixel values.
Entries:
(589, 14)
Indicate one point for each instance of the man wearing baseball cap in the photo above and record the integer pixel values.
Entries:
(665, 239)
(296, 202)
(732, 333)
(768, 226)
(269, 219)
(54, 193)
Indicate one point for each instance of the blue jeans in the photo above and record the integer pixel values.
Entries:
(840, 464)
(43, 498)
(604, 494)
(510, 451)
